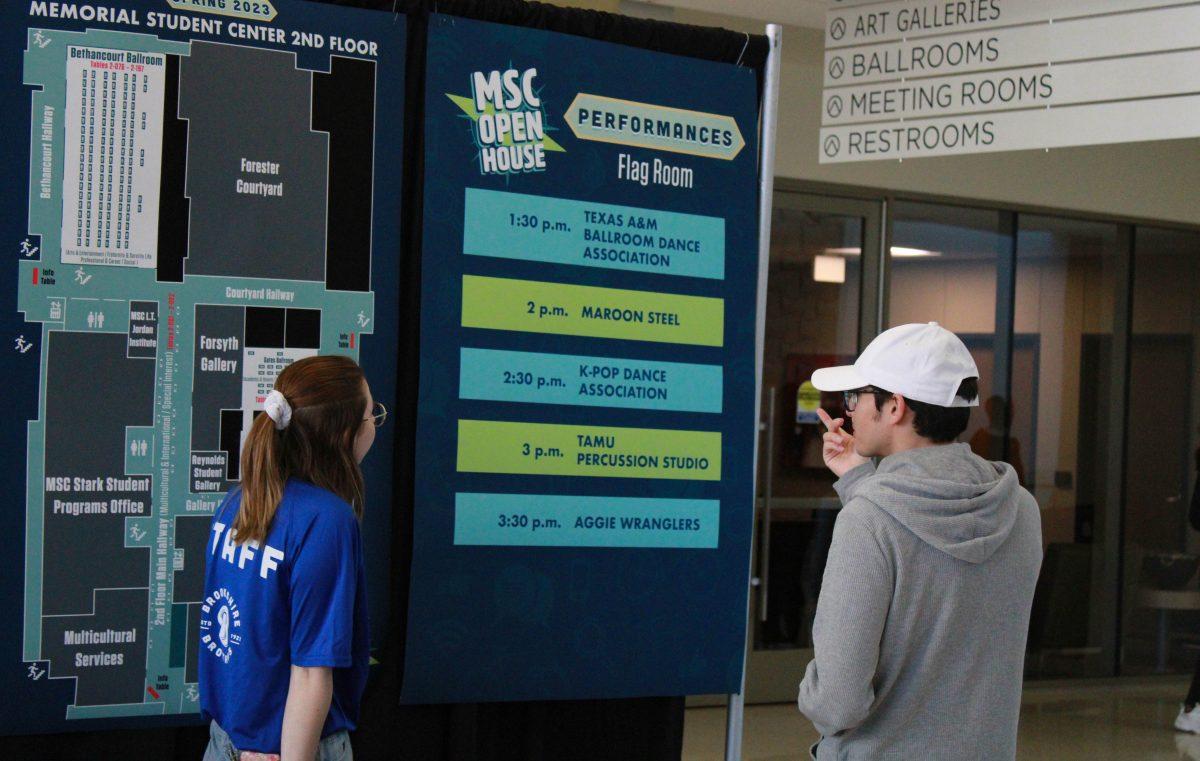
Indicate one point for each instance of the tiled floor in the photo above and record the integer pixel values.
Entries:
(1107, 720)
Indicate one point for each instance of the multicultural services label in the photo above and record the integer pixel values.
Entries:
(585, 426)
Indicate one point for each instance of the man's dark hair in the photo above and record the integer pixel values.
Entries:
(939, 424)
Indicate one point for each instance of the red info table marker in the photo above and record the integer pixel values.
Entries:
(150, 690)
(35, 275)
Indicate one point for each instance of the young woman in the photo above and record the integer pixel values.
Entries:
(283, 624)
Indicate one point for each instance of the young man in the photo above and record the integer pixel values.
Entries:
(921, 624)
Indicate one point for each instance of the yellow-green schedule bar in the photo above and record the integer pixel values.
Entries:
(532, 306)
(545, 449)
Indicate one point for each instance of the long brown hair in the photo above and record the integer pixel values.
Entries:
(327, 395)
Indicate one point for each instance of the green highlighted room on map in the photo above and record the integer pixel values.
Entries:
(582, 310)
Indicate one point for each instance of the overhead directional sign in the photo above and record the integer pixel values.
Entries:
(1079, 39)
(1148, 76)
(909, 19)
(909, 79)
(1091, 124)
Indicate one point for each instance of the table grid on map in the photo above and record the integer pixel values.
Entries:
(114, 142)
(118, 100)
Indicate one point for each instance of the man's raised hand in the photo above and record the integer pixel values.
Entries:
(837, 446)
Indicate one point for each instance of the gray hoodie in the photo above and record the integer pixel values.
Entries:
(924, 610)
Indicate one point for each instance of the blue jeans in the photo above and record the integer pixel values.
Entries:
(336, 747)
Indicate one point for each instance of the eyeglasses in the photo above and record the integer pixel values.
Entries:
(850, 398)
(379, 416)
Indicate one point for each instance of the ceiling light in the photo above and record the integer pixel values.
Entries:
(829, 269)
(905, 252)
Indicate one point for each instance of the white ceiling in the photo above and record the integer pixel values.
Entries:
(809, 13)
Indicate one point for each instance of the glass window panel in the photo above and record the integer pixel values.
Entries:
(1056, 430)
(944, 262)
(1161, 597)
(812, 321)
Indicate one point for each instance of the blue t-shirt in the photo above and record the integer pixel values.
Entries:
(300, 598)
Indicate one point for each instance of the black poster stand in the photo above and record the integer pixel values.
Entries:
(641, 729)
(644, 729)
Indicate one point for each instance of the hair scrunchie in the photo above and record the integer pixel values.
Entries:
(277, 408)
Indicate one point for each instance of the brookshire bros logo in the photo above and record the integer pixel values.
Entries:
(220, 624)
(508, 121)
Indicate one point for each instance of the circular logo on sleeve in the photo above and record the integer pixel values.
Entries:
(220, 624)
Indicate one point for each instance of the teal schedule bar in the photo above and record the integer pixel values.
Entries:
(555, 520)
(520, 376)
(562, 231)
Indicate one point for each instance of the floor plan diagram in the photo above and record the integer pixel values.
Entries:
(191, 232)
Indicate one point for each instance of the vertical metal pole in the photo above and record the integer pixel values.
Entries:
(885, 272)
(870, 293)
(1110, 522)
(764, 547)
(770, 106)
(1005, 327)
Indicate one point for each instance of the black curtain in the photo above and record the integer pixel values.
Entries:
(641, 729)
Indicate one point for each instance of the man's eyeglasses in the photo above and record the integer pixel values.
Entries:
(850, 398)
(379, 415)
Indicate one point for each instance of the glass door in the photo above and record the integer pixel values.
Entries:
(824, 276)
(1037, 301)
(1161, 545)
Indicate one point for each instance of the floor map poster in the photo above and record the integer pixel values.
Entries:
(199, 194)
(586, 422)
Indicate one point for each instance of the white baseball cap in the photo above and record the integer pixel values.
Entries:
(924, 362)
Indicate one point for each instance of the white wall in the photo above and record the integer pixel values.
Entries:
(1156, 180)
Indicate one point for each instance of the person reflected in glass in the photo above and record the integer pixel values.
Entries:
(989, 442)
(1188, 719)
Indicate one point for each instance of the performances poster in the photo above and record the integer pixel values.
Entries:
(199, 194)
(586, 417)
